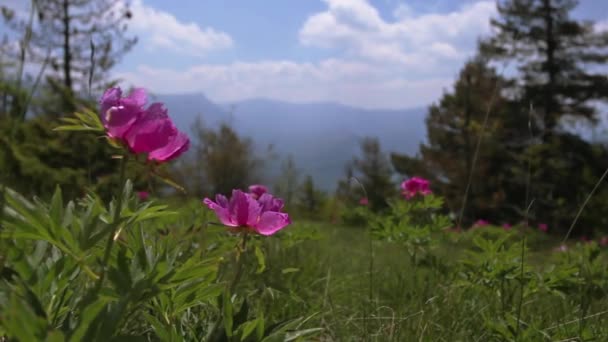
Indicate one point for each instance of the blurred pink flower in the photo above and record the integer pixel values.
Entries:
(149, 131)
(260, 215)
(119, 113)
(543, 227)
(481, 223)
(506, 226)
(257, 190)
(363, 201)
(562, 248)
(143, 195)
(604, 241)
(414, 186)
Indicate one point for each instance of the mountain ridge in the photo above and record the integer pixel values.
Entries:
(321, 136)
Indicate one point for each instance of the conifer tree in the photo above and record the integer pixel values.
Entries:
(454, 126)
(373, 170)
(557, 58)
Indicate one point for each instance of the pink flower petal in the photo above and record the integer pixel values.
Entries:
(222, 213)
(118, 114)
(138, 96)
(177, 145)
(151, 131)
(270, 203)
(271, 222)
(109, 99)
(240, 203)
(257, 190)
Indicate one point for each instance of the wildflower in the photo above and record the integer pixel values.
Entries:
(261, 215)
(257, 190)
(155, 134)
(143, 195)
(364, 201)
(149, 131)
(415, 185)
(481, 223)
(543, 227)
(506, 226)
(119, 113)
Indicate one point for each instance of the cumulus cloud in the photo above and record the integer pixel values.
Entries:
(161, 30)
(406, 60)
(428, 39)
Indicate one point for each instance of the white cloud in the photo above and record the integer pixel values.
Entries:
(429, 39)
(402, 62)
(159, 30)
(354, 83)
(602, 25)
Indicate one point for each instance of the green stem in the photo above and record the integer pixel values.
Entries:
(232, 286)
(239, 264)
(115, 224)
(521, 286)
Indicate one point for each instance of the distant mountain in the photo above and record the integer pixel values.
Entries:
(322, 137)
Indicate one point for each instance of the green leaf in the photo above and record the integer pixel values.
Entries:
(248, 328)
(290, 270)
(55, 336)
(56, 210)
(88, 315)
(227, 313)
(22, 322)
(170, 182)
(261, 326)
(259, 254)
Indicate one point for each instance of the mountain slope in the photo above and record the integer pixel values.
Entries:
(322, 137)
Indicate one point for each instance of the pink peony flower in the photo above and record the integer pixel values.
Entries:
(260, 215)
(543, 227)
(363, 201)
(149, 131)
(257, 190)
(414, 186)
(143, 195)
(119, 113)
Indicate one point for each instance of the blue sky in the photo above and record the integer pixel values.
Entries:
(365, 53)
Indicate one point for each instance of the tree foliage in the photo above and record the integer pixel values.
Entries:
(373, 172)
(81, 40)
(556, 55)
(219, 161)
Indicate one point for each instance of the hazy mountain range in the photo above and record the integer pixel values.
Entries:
(322, 137)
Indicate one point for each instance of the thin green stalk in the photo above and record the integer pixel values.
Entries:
(371, 279)
(476, 153)
(115, 223)
(580, 211)
(521, 286)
